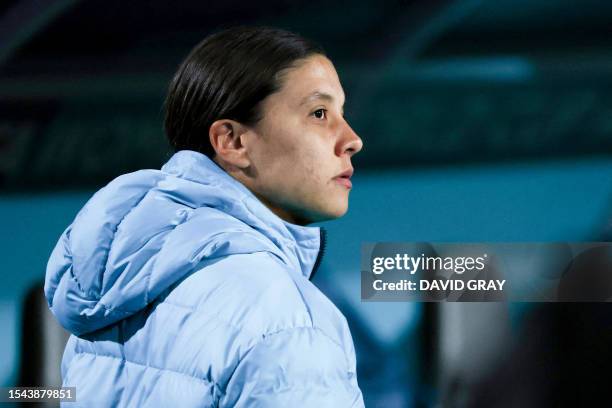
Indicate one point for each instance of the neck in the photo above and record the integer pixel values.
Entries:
(283, 213)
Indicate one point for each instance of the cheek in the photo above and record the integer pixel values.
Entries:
(294, 154)
(301, 176)
(313, 164)
(310, 165)
(293, 160)
(302, 172)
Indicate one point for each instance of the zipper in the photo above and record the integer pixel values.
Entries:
(320, 254)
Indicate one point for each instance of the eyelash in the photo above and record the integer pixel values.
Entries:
(319, 110)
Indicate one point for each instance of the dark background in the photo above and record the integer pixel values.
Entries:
(481, 121)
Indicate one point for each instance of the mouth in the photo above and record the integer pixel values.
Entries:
(344, 178)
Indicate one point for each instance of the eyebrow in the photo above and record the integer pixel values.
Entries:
(317, 95)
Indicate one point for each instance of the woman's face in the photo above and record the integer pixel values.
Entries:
(301, 150)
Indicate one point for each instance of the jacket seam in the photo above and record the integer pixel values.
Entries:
(212, 316)
(112, 240)
(148, 278)
(308, 311)
(282, 331)
(131, 312)
(193, 267)
(302, 299)
(88, 295)
(209, 382)
(290, 329)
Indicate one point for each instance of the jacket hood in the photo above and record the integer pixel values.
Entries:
(145, 231)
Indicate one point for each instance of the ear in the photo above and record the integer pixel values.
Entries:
(227, 137)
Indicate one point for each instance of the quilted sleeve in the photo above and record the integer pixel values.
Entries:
(298, 367)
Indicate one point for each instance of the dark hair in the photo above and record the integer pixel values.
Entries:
(227, 76)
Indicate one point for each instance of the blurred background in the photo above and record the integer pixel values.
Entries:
(482, 121)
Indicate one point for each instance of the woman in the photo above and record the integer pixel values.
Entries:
(189, 285)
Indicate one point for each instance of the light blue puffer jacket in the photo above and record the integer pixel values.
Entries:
(182, 290)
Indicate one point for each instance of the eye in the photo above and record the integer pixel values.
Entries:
(320, 113)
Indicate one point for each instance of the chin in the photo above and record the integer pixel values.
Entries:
(331, 213)
(323, 211)
(340, 212)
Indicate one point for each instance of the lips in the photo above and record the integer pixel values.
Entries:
(344, 178)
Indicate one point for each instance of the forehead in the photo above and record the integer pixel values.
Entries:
(313, 77)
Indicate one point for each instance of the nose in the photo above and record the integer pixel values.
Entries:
(349, 143)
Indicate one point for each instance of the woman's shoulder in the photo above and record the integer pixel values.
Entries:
(257, 293)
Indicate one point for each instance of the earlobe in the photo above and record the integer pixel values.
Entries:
(226, 138)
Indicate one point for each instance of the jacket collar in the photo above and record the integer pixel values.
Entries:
(300, 244)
